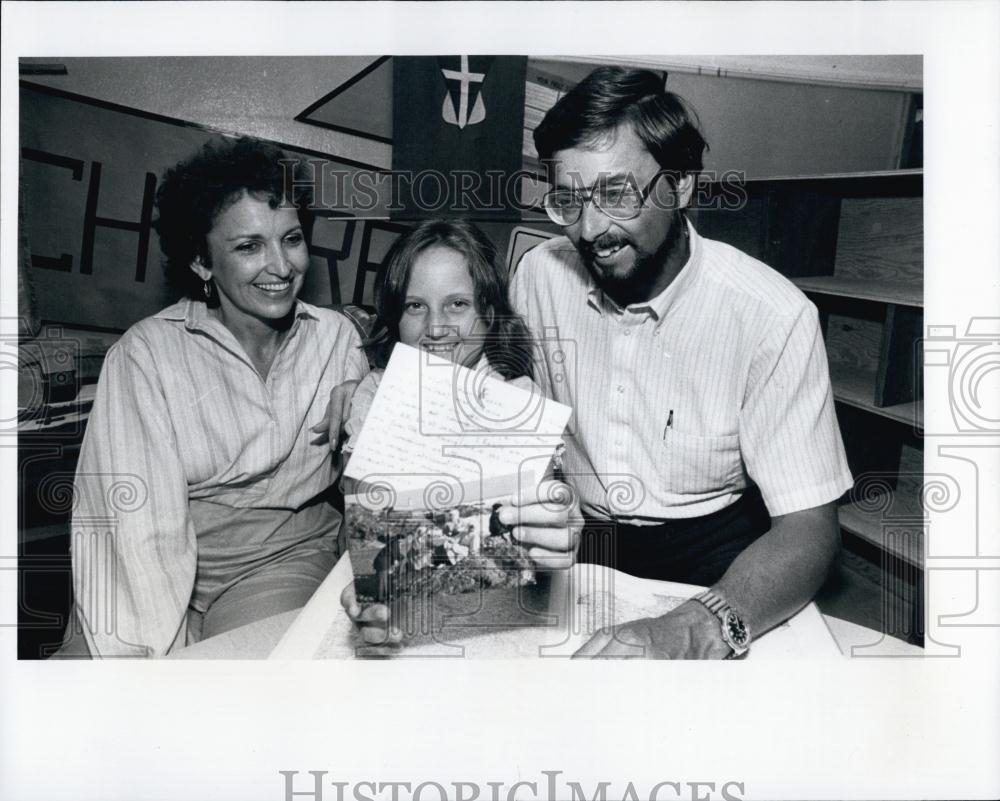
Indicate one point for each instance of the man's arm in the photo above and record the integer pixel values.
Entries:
(770, 581)
(781, 571)
(790, 442)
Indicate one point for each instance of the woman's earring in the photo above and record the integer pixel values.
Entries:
(208, 290)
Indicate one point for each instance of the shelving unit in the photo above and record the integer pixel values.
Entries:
(875, 290)
(853, 387)
(903, 540)
(854, 244)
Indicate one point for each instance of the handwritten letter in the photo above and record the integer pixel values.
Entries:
(432, 420)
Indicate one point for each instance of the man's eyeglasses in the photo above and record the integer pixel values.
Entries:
(564, 206)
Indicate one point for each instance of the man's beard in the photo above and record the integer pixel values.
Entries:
(635, 285)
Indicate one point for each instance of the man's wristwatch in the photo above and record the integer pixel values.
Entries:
(735, 631)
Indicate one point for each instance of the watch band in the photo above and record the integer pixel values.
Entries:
(715, 602)
(728, 617)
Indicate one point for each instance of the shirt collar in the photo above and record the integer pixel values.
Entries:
(195, 315)
(658, 306)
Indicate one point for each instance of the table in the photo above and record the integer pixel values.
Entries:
(503, 631)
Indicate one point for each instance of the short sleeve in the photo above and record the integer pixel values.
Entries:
(789, 437)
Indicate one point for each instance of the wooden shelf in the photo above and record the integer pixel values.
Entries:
(857, 388)
(897, 292)
(880, 183)
(876, 183)
(847, 176)
(858, 237)
(896, 525)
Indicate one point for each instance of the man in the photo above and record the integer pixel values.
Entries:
(695, 373)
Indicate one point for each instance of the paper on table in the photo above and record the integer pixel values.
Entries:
(433, 421)
(600, 597)
(597, 597)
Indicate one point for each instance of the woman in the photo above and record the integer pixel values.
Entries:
(201, 492)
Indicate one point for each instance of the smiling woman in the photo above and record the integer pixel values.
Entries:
(256, 257)
(212, 495)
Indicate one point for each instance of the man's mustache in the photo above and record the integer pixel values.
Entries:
(604, 243)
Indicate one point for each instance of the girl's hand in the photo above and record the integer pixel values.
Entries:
(372, 620)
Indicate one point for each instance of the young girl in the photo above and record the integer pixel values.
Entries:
(443, 288)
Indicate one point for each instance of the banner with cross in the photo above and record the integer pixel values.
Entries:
(457, 136)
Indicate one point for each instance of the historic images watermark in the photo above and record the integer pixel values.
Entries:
(550, 786)
(374, 193)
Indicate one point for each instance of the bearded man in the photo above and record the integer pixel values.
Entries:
(704, 447)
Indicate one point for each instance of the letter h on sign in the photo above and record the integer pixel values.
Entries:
(92, 221)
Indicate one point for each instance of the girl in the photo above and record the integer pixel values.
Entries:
(443, 288)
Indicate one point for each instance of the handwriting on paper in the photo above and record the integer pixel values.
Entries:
(435, 420)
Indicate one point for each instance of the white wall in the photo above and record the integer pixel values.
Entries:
(901, 73)
(259, 96)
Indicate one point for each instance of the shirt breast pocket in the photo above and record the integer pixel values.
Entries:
(694, 465)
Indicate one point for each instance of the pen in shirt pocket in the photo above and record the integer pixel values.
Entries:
(670, 423)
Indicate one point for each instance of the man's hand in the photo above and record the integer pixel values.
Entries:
(547, 521)
(688, 632)
(372, 620)
(337, 410)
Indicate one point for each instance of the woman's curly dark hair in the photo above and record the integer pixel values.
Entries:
(194, 192)
(506, 343)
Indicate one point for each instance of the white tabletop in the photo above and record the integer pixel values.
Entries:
(322, 630)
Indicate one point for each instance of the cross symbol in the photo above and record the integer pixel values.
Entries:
(465, 79)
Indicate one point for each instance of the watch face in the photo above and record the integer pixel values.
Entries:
(737, 630)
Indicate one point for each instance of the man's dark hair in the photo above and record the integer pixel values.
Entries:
(195, 191)
(612, 96)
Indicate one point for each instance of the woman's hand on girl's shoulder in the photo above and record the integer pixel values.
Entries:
(337, 411)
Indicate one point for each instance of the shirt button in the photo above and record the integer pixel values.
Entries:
(620, 388)
(628, 333)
